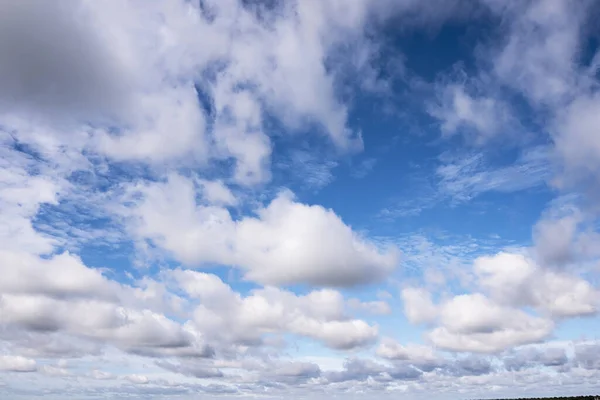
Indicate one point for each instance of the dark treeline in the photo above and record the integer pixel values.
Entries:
(597, 397)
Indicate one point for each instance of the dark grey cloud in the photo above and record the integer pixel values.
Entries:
(53, 62)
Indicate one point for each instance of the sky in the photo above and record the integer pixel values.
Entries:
(312, 199)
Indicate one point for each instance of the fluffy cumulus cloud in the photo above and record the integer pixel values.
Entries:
(313, 243)
(189, 200)
(515, 279)
(495, 317)
(224, 315)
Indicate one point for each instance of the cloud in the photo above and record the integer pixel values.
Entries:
(467, 177)
(531, 357)
(460, 111)
(516, 280)
(494, 320)
(61, 295)
(152, 89)
(418, 306)
(577, 144)
(424, 358)
(96, 320)
(80, 75)
(17, 364)
(586, 356)
(137, 379)
(474, 323)
(554, 239)
(160, 125)
(392, 350)
(287, 242)
(62, 275)
(224, 315)
(291, 372)
(191, 369)
(360, 370)
(216, 192)
(538, 55)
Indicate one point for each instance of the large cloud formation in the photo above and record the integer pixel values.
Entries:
(150, 130)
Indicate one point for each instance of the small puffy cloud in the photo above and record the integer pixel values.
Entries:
(459, 110)
(392, 350)
(287, 242)
(517, 280)
(62, 275)
(137, 379)
(475, 323)
(418, 306)
(17, 364)
(101, 375)
(291, 372)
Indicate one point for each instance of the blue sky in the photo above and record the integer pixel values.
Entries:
(299, 198)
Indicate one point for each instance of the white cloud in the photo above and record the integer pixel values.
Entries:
(577, 142)
(418, 305)
(17, 364)
(461, 111)
(471, 175)
(203, 89)
(554, 239)
(59, 276)
(140, 75)
(516, 280)
(495, 321)
(172, 127)
(224, 315)
(137, 379)
(101, 375)
(475, 323)
(287, 242)
(392, 350)
(21, 197)
(538, 57)
(216, 192)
